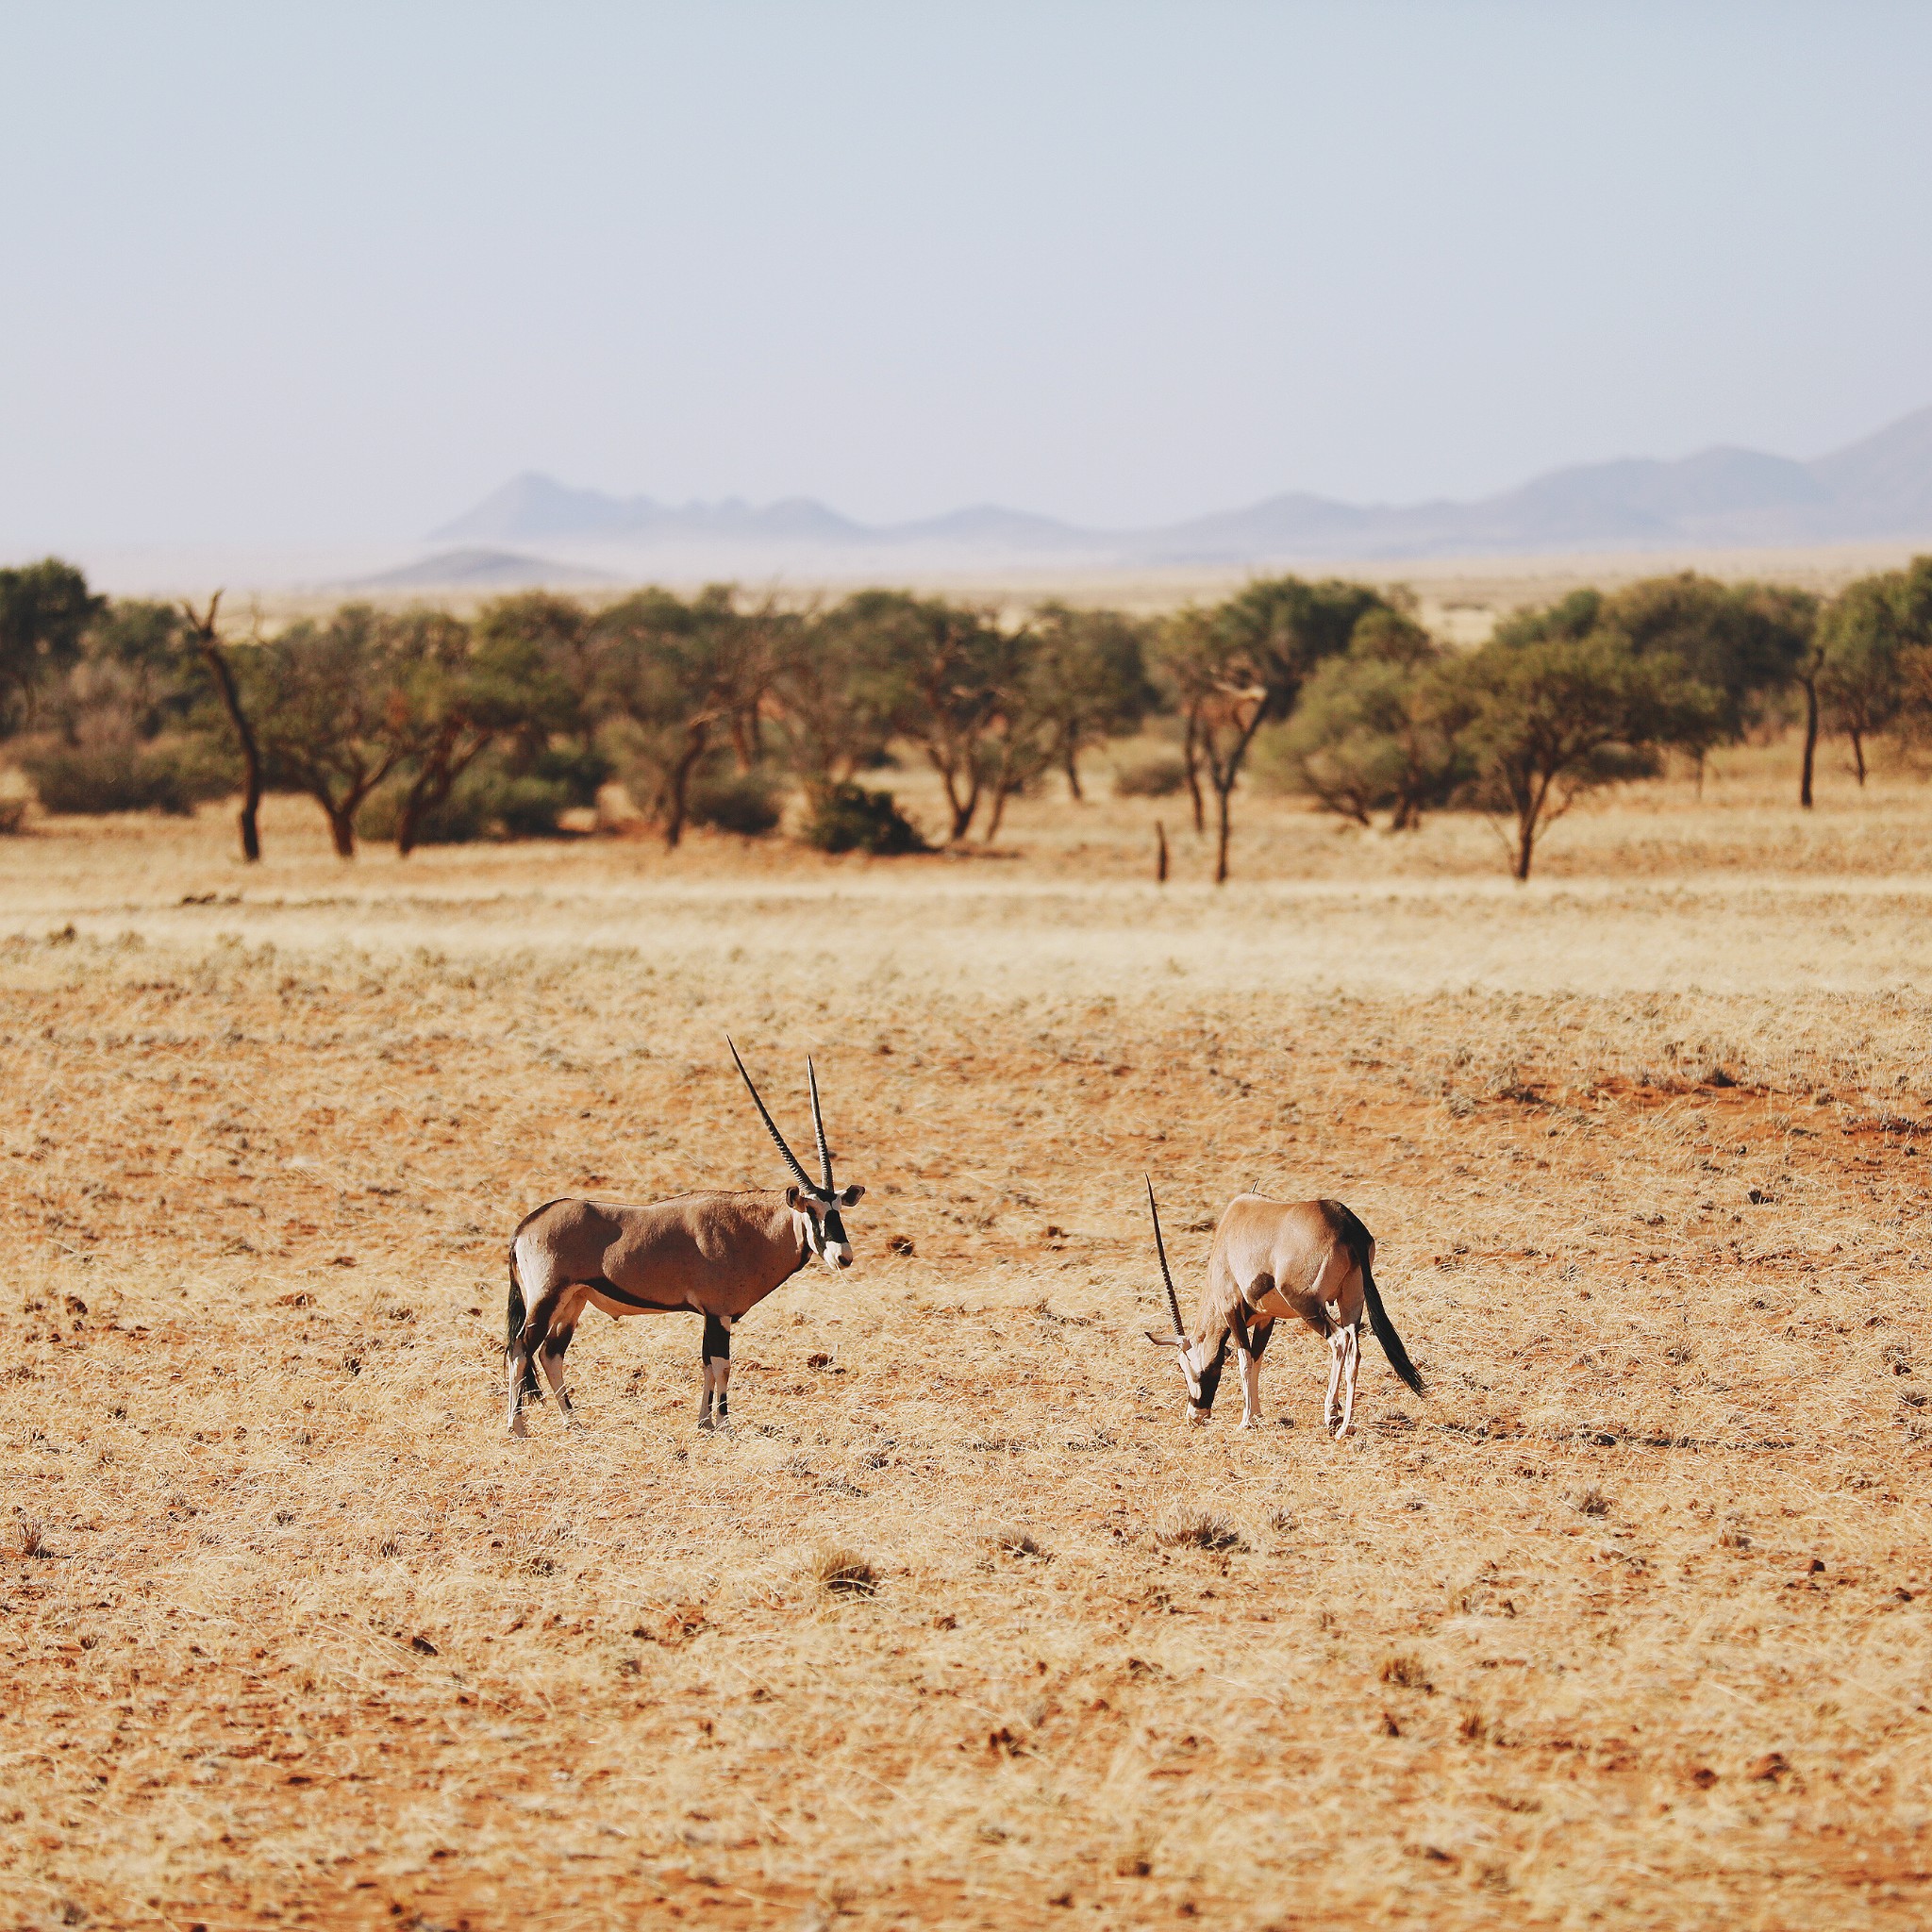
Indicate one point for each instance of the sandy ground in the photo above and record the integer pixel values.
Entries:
(1627, 1622)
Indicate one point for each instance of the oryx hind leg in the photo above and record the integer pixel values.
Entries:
(1348, 1346)
(546, 1334)
(550, 1360)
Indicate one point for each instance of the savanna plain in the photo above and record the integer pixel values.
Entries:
(1626, 1622)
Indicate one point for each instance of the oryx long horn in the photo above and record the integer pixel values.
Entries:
(818, 1124)
(770, 1126)
(1173, 1307)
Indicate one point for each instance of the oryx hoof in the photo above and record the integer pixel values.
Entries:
(706, 1423)
(520, 1427)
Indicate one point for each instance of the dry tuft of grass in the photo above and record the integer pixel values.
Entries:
(1199, 1529)
(1407, 1673)
(1019, 1544)
(843, 1572)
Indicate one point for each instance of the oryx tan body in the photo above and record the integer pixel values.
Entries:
(716, 1255)
(1306, 1261)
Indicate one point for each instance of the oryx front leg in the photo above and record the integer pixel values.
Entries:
(1250, 1388)
(717, 1366)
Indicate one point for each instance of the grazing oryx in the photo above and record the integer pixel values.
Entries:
(1312, 1259)
(716, 1253)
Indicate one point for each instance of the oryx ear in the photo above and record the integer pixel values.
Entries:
(792, 1197)
(1160, 1341)
(850, 1198)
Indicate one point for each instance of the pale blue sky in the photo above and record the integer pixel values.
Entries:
(327, 273)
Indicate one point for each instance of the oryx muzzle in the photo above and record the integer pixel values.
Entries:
(715, 1254)
(1313, 1259)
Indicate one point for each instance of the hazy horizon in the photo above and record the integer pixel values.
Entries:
(289, 279)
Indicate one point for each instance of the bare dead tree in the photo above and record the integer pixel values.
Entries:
(208, 641)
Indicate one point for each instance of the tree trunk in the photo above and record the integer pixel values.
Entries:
(1525, 846)
(1810, 741)
(223, 675)
(1160, 853)
(433, 785)
(341, 826)
(1858, 739)
(962, 809)
(1070, 763)
(414, 809)
(1191, 754)
(999, 811)
(1222, 795)
(678, 790)
(251, 801)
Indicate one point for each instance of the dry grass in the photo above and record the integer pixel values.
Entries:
(1626, 1623)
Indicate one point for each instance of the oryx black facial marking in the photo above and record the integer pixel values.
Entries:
(715, 1254)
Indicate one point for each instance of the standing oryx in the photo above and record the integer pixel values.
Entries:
(1313, 1259)
(716, 1253)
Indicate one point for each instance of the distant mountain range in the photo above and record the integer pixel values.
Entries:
(1881, 488)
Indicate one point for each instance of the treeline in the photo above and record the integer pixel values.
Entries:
(419, 726)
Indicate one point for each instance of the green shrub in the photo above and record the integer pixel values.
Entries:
(748, 803)
(849, 818)
(1154, 774)
(121, 778)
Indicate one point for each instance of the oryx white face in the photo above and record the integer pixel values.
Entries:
(1200, 1366)
(822, 1224)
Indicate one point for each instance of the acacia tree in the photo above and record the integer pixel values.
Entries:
(833, 701)
(1547, 716)
(453, 696)
(1215, 684)
(939, 668)
(1021, 739)
(331, 712)
(1731, 639)
(1090, 678)
(664, 669)
(557, 640)
(1874, 650)
(45, 610)
(1234, 668)
(747, 649)
(1376, 728)
(1913, 604)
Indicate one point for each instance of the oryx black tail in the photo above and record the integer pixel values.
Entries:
(1357, 1239)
